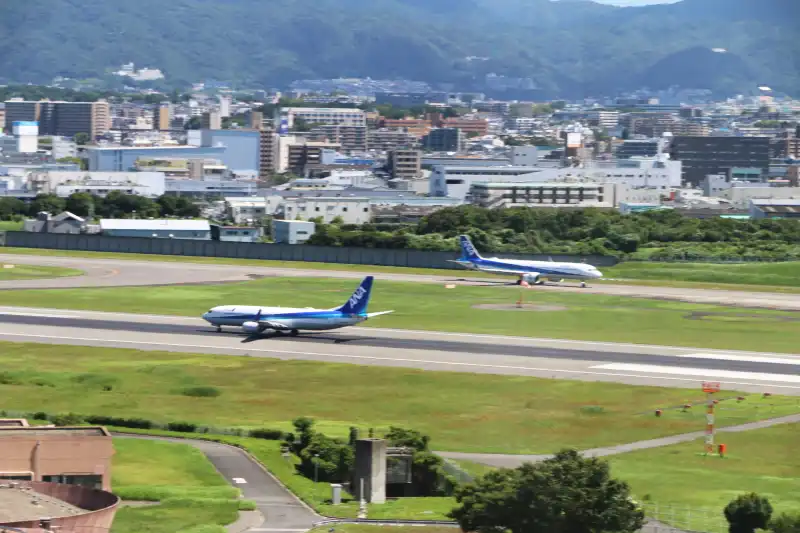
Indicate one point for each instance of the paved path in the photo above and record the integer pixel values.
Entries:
(512, 461)
(283, 512)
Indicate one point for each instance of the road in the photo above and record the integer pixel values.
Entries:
(123, 272)
(282, 511)
(488, 354)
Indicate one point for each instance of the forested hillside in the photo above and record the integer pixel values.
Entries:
(665, 235)
(567, 48)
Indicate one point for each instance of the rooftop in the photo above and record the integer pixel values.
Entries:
(149, 225)
(23, 504)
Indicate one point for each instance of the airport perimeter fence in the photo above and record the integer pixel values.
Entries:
(676, 518)
(262, 251)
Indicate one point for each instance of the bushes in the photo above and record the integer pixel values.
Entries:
(181, 427)
(135, 423)
(201, 392)
(267, 434)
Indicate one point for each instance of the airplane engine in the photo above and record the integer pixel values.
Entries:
(252, 327)
(532, 278)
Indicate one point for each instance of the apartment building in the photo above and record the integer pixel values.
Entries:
(308, 153)
(476, 127)
(605, 119)
(405, 164)
(324, 115)
(211, 120)
(2, 117)
(268, 154)
(162, 117)
(384, 140)
(352, 210)
(444, 140)
(414, 126)
(352, 138)
(66, 119)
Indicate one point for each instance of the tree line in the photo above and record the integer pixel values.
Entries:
(115, 205)
(657, 235)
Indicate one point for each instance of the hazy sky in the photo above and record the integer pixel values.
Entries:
(635, 2)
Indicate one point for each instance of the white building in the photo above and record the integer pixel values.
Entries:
(63, 147)
(607, 120)
(324, 115)
(65, 183)
(455, 182)
(351, 210)
(741, 195)
(559, 194)
(27, 134)
(224, 106)
(246, 210)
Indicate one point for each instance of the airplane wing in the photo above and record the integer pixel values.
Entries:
(370, 315)
(271, 324)
(510, 271)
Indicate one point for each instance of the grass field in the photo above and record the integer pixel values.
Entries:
(781, 277)
(193, 495)
(681, 477)
(461, 412)
(433, 307)
(12, 272)
(11, 225)
(368, 528)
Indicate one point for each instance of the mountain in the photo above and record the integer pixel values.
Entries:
(568, 48)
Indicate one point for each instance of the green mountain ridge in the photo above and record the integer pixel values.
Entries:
(568, 48)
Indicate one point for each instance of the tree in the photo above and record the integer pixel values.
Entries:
(747, 513)
(565, 494)
(82, 138)
(49, 203)
(80, 203)
(194, 123)
(301, 125)
(785, 523)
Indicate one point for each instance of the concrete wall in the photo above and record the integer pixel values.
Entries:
(275, 252)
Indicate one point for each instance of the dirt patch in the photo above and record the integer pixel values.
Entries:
(699, 315)
(523, 307)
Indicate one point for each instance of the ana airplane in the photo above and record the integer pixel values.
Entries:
(257, 320)
(534, 272)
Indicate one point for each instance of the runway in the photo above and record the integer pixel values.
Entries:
(123, 272)
(488, 354)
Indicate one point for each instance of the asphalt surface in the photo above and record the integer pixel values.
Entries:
(282, 511)
(550, 358)
(121, 272)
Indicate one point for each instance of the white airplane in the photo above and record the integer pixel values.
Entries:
(256, 320)
(534, 272)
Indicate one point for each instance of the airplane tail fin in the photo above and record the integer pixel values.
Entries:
(468, 251)
(357, 304)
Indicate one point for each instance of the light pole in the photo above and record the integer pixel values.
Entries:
(316, 467)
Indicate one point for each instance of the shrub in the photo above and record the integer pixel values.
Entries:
(7, 378)
(747, 513)
(181, 427)
(247, 505)
(267, 434)
(70, 419)
(136, 423)
(201, 392)
(40, 415)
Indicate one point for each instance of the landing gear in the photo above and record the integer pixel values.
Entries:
(583, 284)
(219, 329)
(294, 333)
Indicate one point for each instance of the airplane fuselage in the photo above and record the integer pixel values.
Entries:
(544, 269)
(289, 318)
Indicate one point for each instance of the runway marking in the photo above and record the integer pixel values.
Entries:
(532, 341)
(700, 372)
(789, 360)
(35, 314)
(388, 359)
(239, 481)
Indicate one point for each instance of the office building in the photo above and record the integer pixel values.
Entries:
(470, 127)
(211, 120)
(401, 100)
(384, 140)
(702, 156)
(323, 115)
(637, 148)
(2, 117)
(62, 147)
(246, 210)
(444, 140)
(405, 164)
(609, 195)
(415, 126)
(353, 210)
(64, 183)
(162, 117)
(351, 138)
(224, 106)
(256, 120)
(789, 208)
(27, 136)
(241, 147)
(607, 120)
(62, 118)
(123, 158)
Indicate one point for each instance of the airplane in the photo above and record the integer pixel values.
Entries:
(256, 320)
(533, 272)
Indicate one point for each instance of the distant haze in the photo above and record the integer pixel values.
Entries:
(630, 3)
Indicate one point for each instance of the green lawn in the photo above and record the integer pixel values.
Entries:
(194, 496)
(369, 528)
(461, 411)
(681, 477)
(12, 272)
(784, 277)
(754, 274)
(11, 225)
(434, 307)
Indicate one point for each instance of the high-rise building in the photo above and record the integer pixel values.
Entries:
(384, 140)
(257, 120)
(162, 117)
(211, 120)
(224, 106)
(2, 117)
(702, 156)
(268, 154)
(66, 119)
(444, 140)
(405, 164)
(308, 153)
(323, 115)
